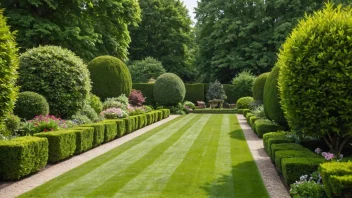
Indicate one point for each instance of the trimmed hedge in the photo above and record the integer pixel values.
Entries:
(341, 186)
(149, 118)
(258, 87)
(327, 170)
(134, 122)
(283, 147)
(240, 111)
(243, 103)
(22, 156)
(99, 130)
(265, 126)
(128, 125)
(194, 92)
(160, 115)
(248, 116)
(166, 112)
(216, 111)
(147, 91)
(142, 120)
(252, 121)
(245, 111)
(304, 153)
(277, 140)
(30, 104)
(84, 139)
(62, 144)
(230, 93)
(267, 136)
(294, 168)
(110, 130)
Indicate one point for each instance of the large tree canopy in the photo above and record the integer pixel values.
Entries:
(245, 34)
(88, 27)
(165, 34)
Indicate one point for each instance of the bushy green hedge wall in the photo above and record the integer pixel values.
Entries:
(147, 91)
(258, 87)
(303, 153)
(22, 156)
(265, 126)
(110, 130)
(99, 130)
(62, 144)
(267, 136)
(128, 125)
(284, 147)
(341, 186)
(230, 93)
(84, 139)
(243, 103)
(194, 92)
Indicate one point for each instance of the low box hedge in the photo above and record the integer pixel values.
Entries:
(267, 136)
(294, 168)
(62, 144)
(341, 186)
(134, 122)
(22, 156)
(252, 120)
(245, 111)
(215, 111)
(248, 116)
(142, 120)
(110, 130)
(156, 116)
(166, 112)
(327, 170)
(277, 140)
(284, 147)
(303, 153)
(150, 117)
(128, 125)
(265, 126)
(240, 111)
(99, 130)
(84, 139)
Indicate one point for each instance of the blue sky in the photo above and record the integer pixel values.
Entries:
(191, 4)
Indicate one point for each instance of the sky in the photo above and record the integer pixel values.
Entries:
(191, 4)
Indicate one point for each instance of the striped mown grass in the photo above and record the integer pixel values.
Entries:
(197, 155)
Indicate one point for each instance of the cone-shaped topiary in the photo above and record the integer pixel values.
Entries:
(57, 74)
(30, 104)
(272, 106)
(258, 87)
(169, 89)
(315, 76)
(110, 77)
(8, 68)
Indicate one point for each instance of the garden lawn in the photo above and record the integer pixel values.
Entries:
(197, 155)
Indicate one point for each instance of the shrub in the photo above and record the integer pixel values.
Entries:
(30, 104)
(277, 140)
(240, 111)
(265, 126)
(84, 139)
(245, 112)
(166, 112)
(169, 89)
(110, 77)
(95, 103)
(99, 129)
(142, 120)
(150, 118)
(22, 156)
(284, 147)
(57, 74)
(136, 98)
(248, 116)
(243, 103)
(44, 123)
(143, 70)
(113, 103)
(110, 130)
(129, 124)
(62, 144)
(315, 66)
(190, 106)
(311, 187)
(252, 120)
(230, 93)
(194, 92)
(12, 123)
(267, 136)
(258, 86)
(88, 111)
(216, 91)
(147, 91)
(114, 113)
(283, 154)
(259, 112)
(80, 119)
(8, 68)
(341, 186)
(243, 84)
(123, 99)
(293, 168)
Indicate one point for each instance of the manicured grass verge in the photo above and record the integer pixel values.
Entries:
(191, 156)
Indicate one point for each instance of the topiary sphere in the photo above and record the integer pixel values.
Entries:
(30, 104)
(57, 74)
(169, 89)
(272, 106)
(110, 77)
(8, 69)
(258, 87)
(244, 103)
(315, 76)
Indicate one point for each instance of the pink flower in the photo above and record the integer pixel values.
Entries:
(318, 150)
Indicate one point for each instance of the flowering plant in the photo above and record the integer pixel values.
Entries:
(43, 123)
(327, 155)
(114, 113)
(308, 187)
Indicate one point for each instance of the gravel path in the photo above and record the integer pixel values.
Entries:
(267, 170)
(13, 189)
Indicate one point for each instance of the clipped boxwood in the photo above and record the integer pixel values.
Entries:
(294, 168)
(110, 77)
(121, 127)
(248, 116)
(84, 139)
(283, 154)
(22, 156)
(284, 147)
(110, 130)
(277, 140)
(134, 122)
(150, 118)
(8, 68)
(252, 121)
(99, 130)
(245, 111)
(30, 104)
(128, 125)
(341, 186)
(267, 136)
(230, 93)
(142, 120)
(265, 126)
(258, 87)
(240, 111)
(169, 89)
(166, 112)
(147, 91)
(57, 74)
(194, 92)
(243, 103)
(62, 144)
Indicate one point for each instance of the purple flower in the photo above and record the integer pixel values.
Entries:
(318, 150)
(324, 154)
(329, 156)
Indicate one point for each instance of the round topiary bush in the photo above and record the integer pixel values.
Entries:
(30, 104)
(272, 106)
(110, 77)
(244, 103)
(8, 68)
(57, 74)
(144, 70)
(315, 76)
(169, 89)
(258, 87)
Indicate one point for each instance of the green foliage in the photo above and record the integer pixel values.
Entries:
(79, 119)
(293, 168)
(8, 69)
(267, 136)
(341, 185)
(243, 103)
(248, 116)
(194, 92)
(57, 74)
(165, 33)
(144, 70)
(284, 147)
(258, 86)
(263, 126)
(89, 28)
(169, 89)
(99, 130)
(166, 112)
(62, 144)
(243, 84)
(246, 111)
(129, 125)
(30, 104)
(216, 111)
(272, 107)
(21, 156)
(280, 139)
(110, 130)
(88, 111)
(84, 139)
(309, 189)
(240, 111)
(147, 91)
(113, 103)
(230, 93)
(150, 118)
(12, 123)
(259, 112)
(283, 154)
(95, 102)
(216, 91)
(110, 77)
(314, 71)
(252, 120)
